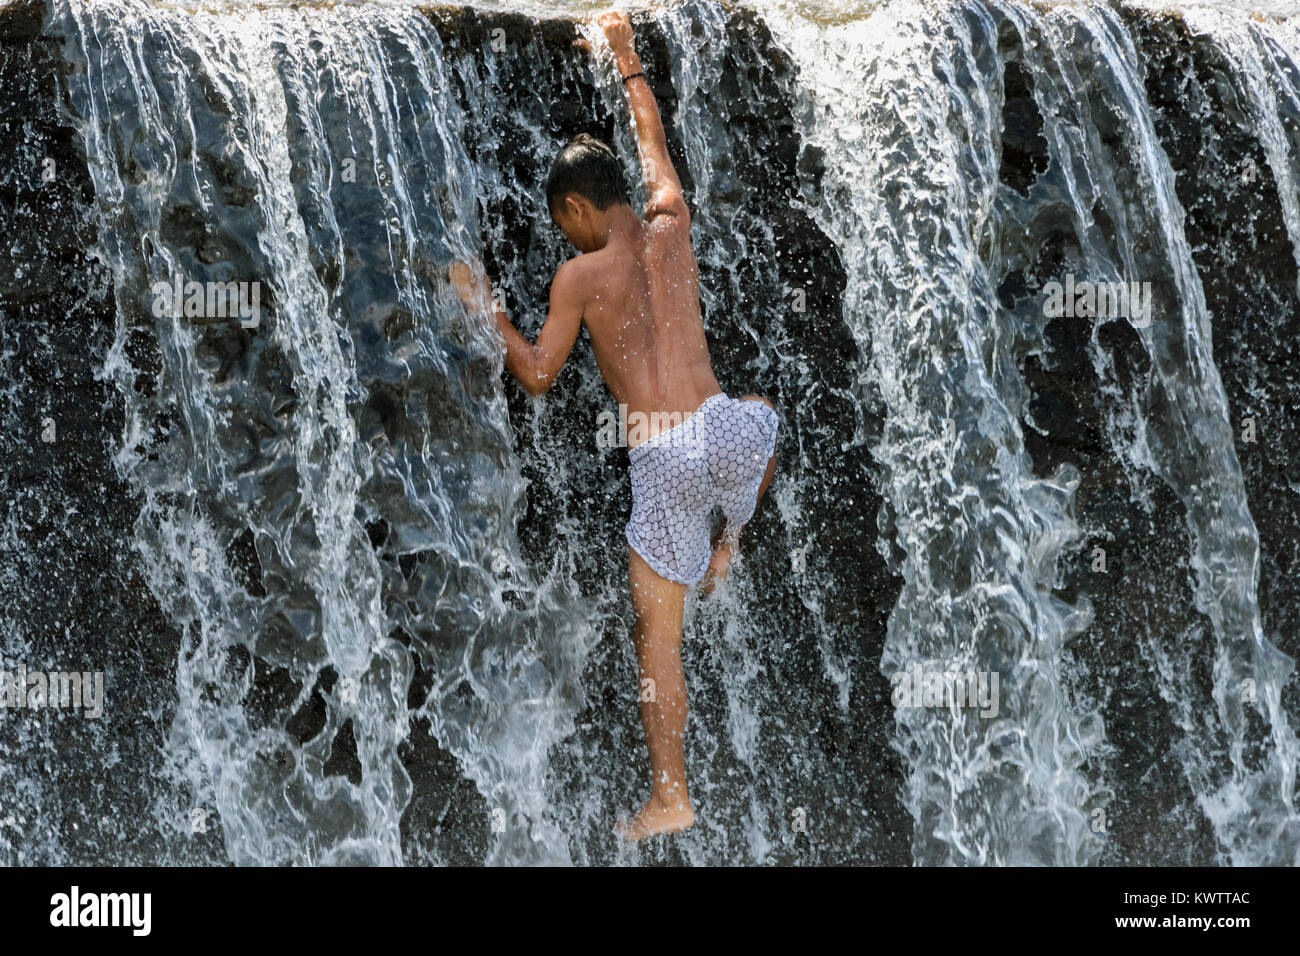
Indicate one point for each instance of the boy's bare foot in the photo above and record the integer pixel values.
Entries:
(656, 818)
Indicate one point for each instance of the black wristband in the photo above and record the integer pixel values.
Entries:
(633, 76)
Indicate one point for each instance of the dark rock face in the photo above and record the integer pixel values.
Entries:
(1245, 264)
(1138, 583)
(1248, 269)
(76, 789)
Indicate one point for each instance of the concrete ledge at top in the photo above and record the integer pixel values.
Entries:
(23, 20)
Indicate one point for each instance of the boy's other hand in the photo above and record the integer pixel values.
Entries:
(471, 284)
(618, 30)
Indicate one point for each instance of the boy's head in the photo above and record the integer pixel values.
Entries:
(586, 180)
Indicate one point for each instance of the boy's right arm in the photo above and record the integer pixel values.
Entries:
(662, 184)
(533, 364)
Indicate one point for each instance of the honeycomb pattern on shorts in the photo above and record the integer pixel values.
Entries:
(713, 460)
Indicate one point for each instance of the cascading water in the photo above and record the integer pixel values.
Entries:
(359, 457)
(937, 237)
(398, 585)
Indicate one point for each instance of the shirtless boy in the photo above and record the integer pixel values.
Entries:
(636, 286)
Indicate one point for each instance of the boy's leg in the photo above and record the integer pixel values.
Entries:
(658, 634)
(725, 544)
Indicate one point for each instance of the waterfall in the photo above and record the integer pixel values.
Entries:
(398, 585)
(354, 452)
(937, 235)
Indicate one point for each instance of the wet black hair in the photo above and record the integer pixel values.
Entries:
(588, 167)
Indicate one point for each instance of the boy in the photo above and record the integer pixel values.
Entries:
(636, 286)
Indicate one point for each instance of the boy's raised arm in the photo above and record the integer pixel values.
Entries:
(662, 184)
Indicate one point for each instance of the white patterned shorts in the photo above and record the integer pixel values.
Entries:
(713, 460)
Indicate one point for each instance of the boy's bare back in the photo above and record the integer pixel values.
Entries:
(635, 287)
(639, 298)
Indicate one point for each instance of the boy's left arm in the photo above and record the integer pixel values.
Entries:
(534, 365)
